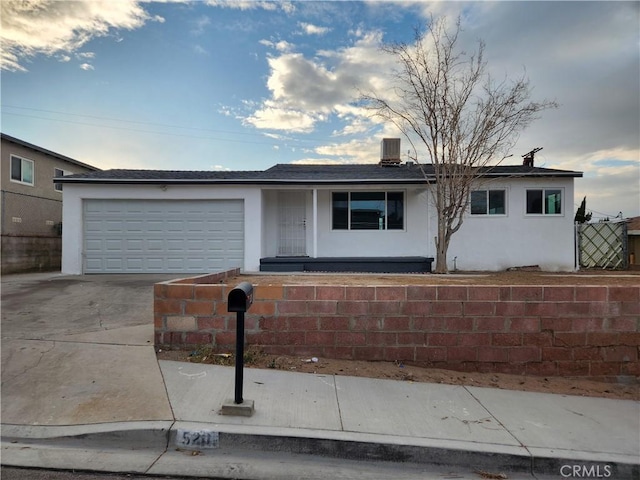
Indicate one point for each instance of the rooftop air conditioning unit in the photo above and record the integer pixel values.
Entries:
(390, 151)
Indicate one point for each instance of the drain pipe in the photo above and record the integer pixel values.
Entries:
(455, 268)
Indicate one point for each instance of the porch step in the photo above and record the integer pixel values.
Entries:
(347, 264)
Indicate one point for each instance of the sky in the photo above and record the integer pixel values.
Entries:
(244, 85)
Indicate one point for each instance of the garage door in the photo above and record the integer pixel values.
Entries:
(163, 236)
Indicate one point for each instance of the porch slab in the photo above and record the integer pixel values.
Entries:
(347, 264)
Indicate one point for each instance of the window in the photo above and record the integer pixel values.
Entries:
(368, 210)
(488, 202)
(21, 170)
(544, 202)
(58, 172)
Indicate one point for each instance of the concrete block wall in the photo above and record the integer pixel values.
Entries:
(573, 331)
(30, 254)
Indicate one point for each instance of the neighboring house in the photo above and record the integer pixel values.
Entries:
(31, 205)
(633, 242)
(310, 217)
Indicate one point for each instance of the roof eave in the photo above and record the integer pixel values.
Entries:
(137, 181)
(50, 153)
(535, 174)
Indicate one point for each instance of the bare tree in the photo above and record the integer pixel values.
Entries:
(445, 100)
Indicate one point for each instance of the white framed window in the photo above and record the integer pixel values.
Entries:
(488, 202)
(544, 201)
(58, 172)
(368, 210)
(22, 170)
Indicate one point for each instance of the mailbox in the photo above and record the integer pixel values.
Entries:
(240, 298)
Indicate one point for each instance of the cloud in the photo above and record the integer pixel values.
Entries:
(220, 168)
(281, 46)
(87, 66)
(50, 27)
(200, 50)
(611, 191)
(310, 29)
(318, 161)
(274, 117)
(285, 6)
(200, 25)
(315, 88)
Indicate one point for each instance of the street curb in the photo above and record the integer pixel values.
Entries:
(159, 436)
(118, 435)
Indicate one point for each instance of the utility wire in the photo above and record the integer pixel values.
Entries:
(136, 122)
(142, 130)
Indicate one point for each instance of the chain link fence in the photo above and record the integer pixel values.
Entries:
(603, 245)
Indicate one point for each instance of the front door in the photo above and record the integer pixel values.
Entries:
(292, 224)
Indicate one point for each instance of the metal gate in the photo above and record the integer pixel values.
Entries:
(292, 223)
(603, 245)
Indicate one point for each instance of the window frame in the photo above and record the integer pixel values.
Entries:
(386, 211)
(22, 162)
(544, 212)
(487, 212)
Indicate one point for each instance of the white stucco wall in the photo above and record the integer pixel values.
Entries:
(484, 242)
(412, 241)
(72, 213)
(488, 242)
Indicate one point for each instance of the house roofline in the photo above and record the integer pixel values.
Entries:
(51, 153)
(281, 181)
(195, 181)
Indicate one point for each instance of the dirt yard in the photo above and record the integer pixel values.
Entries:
(254, 358)
(523, 276)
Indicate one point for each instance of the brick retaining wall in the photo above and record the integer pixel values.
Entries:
(574, 331)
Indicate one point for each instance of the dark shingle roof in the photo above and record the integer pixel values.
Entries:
(300, 174)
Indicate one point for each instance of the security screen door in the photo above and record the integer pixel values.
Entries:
(292, 224)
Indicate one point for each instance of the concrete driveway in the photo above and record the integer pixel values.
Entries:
(52, 306)
(79, 350)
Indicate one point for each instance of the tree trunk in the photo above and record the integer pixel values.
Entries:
(442, 245)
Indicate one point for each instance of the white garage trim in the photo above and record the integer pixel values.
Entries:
(162, 236)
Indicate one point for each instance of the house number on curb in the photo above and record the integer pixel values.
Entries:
(197, 438)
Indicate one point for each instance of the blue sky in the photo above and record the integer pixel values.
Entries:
(245, 85)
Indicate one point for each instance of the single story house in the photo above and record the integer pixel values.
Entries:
(374, 217)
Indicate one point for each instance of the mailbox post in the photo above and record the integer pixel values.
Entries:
(239, 301)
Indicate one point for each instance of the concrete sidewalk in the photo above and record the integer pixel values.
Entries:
(97, 399)
(117, 416)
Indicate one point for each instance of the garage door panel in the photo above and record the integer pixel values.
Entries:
(163, 236)
(135, 264)
(175, 226)
(174, 245)
(94, 245)
(111, 245)
(94, 264)
(114, 264)
(155, 226)
(112, 226)
(155, 264)
(154, 245)
(137, 245)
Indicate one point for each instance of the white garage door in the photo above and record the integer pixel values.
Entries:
(163, 236)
